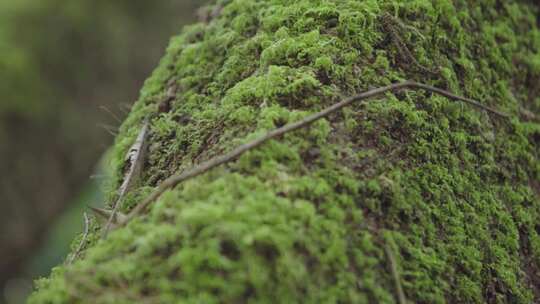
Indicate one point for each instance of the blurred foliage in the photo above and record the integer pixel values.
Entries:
(52, 49)
(65, 66)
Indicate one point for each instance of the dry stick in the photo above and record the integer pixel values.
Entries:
(83, 240)
(136, 156)
(104, 108)
(397, 280)
(219, 160)
(528, 115)
(110, 129)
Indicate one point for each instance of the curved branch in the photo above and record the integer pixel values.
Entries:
(174, 180)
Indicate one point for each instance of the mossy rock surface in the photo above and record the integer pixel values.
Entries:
(453, 192)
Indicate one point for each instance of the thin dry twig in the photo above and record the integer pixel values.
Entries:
(402, 299)
(395, 273)
(124, 107)
(528, 115)
(104, 108)
(174, 180)
(83, 240)
(110, 129)
(135, 158)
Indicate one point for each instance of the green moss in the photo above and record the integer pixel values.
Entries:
(306, 218)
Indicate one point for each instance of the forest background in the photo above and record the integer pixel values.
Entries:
(70, 71)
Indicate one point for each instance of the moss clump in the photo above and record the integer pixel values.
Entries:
(452, 192)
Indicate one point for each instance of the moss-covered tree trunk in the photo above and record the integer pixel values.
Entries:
(410, 190)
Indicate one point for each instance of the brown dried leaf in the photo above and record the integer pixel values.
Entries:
(103, 215)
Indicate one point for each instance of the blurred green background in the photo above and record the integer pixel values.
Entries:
(69, 72)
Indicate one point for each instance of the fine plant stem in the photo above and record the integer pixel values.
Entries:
(395, 274)
(83, 239)
(174, 180)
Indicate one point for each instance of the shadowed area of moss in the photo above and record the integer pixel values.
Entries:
(451, 191)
